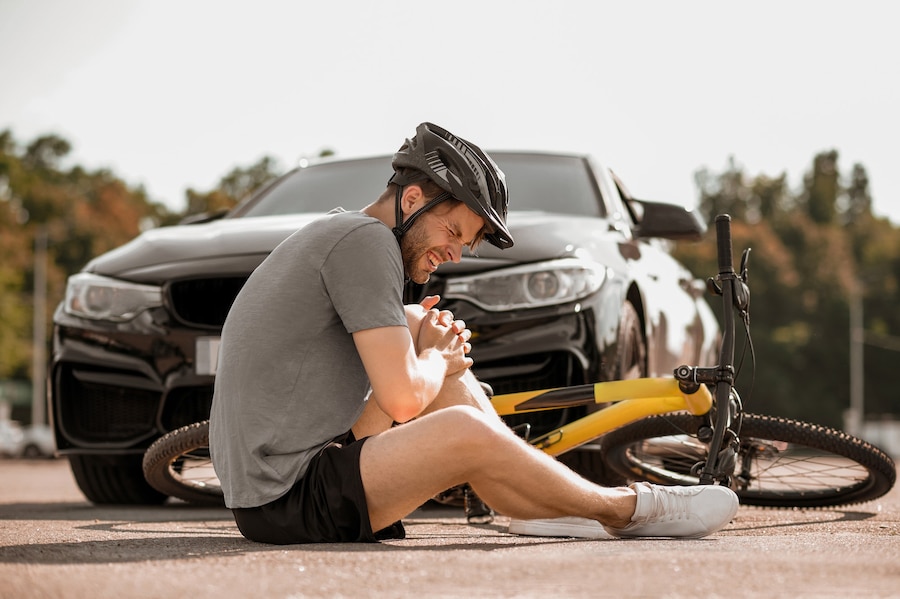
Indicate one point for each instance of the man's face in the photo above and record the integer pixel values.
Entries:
(438, 236)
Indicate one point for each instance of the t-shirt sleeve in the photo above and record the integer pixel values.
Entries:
(363, 275)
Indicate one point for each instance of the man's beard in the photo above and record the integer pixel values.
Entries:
(413, 246)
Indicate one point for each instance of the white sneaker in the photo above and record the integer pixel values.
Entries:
(569, 526)
(689, 512)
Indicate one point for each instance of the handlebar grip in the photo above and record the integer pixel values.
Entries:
(723, 237)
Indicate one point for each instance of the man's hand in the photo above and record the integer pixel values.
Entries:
(445, 317)
(447, 336)
(407, 366)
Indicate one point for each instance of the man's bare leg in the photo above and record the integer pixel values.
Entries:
(406, 465)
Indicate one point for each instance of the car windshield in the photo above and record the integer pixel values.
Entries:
(549, 183)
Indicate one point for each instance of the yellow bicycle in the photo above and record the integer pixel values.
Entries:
(688, 429)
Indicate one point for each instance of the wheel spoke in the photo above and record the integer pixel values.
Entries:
(194, 471)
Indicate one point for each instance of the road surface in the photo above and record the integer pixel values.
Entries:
(53, 543)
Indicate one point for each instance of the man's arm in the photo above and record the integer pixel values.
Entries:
(406, 380)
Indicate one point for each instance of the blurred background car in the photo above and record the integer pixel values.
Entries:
(38, 442)
(11, 438)
(32, 441)
(589, 292)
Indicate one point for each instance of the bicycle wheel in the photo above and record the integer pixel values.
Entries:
(782, 463)
(178, 464)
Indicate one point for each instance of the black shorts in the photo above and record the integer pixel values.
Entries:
(327, 505)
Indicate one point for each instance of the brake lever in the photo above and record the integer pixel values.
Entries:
(745, 258)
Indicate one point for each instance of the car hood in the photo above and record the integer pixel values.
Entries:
(236, 246)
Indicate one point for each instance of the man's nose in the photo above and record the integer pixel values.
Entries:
(456, 252)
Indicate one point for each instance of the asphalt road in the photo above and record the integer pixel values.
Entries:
(53, 543)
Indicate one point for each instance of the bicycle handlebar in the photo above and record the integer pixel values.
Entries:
(723, 235)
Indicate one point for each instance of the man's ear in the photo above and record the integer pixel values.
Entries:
(412, 199)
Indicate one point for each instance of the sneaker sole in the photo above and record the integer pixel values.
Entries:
(540, 528)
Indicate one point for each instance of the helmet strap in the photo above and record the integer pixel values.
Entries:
(402, 226)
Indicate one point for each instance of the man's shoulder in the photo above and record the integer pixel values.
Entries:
(329, 229)
(354, 223)
(349, 219)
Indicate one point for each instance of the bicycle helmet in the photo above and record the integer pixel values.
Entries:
(462, 170)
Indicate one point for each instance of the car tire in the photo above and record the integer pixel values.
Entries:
(114, 480)
(631, 347)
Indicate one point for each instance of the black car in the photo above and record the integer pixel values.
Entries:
(588, 293)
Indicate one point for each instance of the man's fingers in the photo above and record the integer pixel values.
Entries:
(430, 301)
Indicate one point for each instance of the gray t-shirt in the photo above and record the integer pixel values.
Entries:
(289, 377)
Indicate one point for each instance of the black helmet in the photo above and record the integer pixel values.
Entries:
(462, 170)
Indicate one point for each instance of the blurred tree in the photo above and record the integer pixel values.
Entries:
(821, 188)
(45, 152)
(85, 213)
(808, 250)
(769, 198)
(875, 244)
(723, 193)
(15, 315)
(859, 202)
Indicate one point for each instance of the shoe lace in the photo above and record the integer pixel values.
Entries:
(668, 504)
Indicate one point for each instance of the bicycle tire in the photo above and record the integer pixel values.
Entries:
(178, 464)
(792, 463)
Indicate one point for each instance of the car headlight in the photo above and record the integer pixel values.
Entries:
(102, 298)
(530, 285)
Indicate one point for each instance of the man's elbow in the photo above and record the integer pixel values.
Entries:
(402, 414)
(403, 409)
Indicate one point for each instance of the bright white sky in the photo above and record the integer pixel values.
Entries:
(173, 94)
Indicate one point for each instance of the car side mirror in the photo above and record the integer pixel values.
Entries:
(667, 221)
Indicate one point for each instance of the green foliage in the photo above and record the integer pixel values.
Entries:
(809, 251)
(84, 214)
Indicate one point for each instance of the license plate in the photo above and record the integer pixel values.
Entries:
(206, 356)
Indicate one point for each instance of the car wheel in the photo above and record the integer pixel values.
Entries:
(631, 348)
(114, 480)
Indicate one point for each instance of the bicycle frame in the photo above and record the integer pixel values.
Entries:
(630, 400)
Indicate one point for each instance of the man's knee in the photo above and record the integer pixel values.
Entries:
(469, 426)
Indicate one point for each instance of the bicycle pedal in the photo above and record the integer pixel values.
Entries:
(477, 511)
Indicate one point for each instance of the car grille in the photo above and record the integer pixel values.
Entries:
(97, 412)
(204, 302)
(186, 405)
(100, 407)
